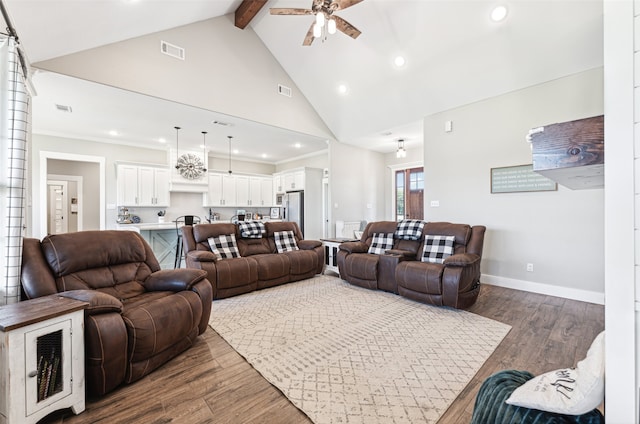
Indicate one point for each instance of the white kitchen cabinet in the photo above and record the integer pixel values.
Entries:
(252, 191)
(242, 191)
(127, 185)
(142, 185)
(278, 186)
(221, 191)
(293, 180)
(266, 192)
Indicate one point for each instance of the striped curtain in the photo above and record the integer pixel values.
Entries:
(14, 131)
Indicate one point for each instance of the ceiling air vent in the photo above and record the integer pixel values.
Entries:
(223, 124)
(172, 50)
(284, 90)
(64, 108)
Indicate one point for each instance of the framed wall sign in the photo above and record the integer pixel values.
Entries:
(521, 178)
(275, 213)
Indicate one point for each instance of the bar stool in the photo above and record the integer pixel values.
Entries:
(180, 221)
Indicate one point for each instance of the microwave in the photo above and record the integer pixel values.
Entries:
(279, 199)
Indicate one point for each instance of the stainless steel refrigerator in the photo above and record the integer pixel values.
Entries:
(293, 208)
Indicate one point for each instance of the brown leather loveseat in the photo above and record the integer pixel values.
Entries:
(259, 265)
(139, 316)
(455, 282)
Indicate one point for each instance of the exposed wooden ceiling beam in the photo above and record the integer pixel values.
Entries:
(247, 10)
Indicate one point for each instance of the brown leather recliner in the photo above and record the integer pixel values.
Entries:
(139, 316)
(259, 265)
(456, 282)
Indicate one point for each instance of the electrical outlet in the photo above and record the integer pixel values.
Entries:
(529, 267)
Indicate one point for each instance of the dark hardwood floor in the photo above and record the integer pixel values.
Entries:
(211, 383)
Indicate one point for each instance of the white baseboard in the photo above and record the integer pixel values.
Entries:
(558, 291)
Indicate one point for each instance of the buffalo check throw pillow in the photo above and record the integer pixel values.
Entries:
(409, 229)
(224, 246)
(381, 243)
(285, 241)
(251, 229)
(437, 248)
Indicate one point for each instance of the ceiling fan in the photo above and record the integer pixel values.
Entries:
(326, 22)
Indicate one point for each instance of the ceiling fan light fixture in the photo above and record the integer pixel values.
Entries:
(317, 30)
(331, 26)
(320, 18)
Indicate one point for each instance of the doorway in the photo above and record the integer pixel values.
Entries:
(95, 176)
(409, 193)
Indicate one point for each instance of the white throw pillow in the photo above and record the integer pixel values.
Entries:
(570, 391)
(381, 243)
(285, 241)
(224, 246)
(437, 248)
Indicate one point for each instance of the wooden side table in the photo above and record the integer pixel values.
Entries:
(331, 252)
(41, 358)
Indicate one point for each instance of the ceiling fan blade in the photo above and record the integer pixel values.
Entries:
(343, 4)
(289, 11)
(308, 39)
(346, 27)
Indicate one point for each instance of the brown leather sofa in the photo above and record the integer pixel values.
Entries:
(454, 283)
(259, 265)
(139, 316)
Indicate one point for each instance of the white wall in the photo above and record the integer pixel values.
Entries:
(320, 160)
(225, 70)
(621, 315)
(356, 179)
(561, 232)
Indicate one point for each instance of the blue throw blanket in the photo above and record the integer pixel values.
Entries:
(490, 407)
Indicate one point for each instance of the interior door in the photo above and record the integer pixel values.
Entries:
(58, 207)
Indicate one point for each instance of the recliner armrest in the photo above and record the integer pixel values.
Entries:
(354, 247)
(99, 303)
(202, 256)
(309, 244)
(174, 280)
(461, 259)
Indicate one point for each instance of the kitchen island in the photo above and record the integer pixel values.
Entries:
(162, 237)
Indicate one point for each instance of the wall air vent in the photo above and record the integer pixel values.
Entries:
(172, 50)
(64, 108)
(284, 90)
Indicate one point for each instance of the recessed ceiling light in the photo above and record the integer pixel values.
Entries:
(342, 89)
(202, 146)
(113, 133)
(498, 13)
(399, 61)
(297, 145)
(264, 155)
(236, 151)
(162, 140)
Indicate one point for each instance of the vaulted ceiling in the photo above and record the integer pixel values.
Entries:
(455, 54)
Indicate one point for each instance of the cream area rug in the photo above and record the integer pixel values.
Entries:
(343, 354)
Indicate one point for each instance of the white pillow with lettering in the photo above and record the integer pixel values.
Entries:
(570, 391)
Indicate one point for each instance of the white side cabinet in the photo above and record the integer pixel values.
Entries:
(41, 358)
